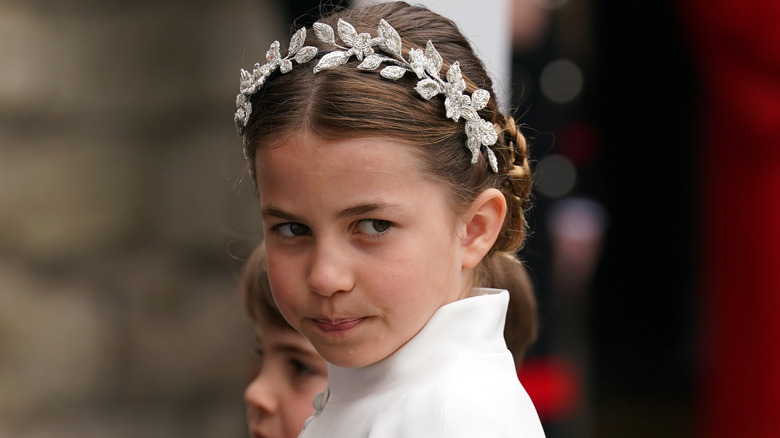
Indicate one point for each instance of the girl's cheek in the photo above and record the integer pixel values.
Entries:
(281, 283)
(287, 302)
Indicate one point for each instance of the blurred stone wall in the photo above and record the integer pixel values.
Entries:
(123, 216)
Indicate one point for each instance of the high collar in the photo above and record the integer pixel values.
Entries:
(473, 324)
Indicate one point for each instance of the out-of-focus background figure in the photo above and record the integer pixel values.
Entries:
(288, 371)
(126, 212)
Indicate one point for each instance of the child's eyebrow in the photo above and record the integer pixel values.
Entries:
(356, 210)
(272, 212)
(359, 210)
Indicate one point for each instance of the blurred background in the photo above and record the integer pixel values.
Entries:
(125, 213)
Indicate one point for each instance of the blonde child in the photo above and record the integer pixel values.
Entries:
(289, 373)
(391, 190)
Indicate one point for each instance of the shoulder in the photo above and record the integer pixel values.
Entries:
(485, 398)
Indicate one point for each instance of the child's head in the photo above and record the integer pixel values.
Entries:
(290, 372)
(367, 184)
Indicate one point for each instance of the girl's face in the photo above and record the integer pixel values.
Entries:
(279, 399)
(361, 246)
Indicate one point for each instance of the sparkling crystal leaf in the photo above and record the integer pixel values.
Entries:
(467, 111)
(360, 51)
(473, 144)
(347, 33)
(273, 55)
(391, 41)
(428, 88)
(453, 74)
(434, 59)
(492, 159)
(332, 59)
(286, 66)
(392, 72)
(455, 78)
(372, 62)
(488, 133)
(480, 99)
(306, 54)
(257, 74)
(324, 33)
(246, 82)
(453, 109)
(417, 62)
(297, 41)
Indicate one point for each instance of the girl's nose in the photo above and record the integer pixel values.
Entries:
(330, 270)
(260, 394)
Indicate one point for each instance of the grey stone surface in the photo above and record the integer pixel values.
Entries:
(123, 217)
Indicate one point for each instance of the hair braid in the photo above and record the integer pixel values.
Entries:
(516, 185)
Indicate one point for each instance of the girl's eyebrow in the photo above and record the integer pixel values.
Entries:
(272, 212)
(355, 210)
(361, 209)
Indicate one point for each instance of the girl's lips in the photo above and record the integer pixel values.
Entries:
(339, 325)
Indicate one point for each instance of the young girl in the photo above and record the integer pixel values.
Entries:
(290, 372)
(391, 188)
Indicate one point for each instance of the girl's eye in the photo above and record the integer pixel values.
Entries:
(300, 368)
(292, 229)
(373, 226)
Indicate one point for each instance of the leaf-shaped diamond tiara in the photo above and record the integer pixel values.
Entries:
(426, 64)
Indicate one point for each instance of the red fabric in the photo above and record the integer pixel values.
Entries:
(737, 45)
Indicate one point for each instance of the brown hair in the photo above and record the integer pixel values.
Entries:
(521, 328)
(345, 102)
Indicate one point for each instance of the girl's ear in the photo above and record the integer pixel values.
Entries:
(482, 222)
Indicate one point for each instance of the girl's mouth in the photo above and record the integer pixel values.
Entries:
(338, 325)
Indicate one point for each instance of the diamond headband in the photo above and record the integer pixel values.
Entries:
(426, 64)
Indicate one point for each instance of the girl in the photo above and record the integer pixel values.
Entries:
(391, 188)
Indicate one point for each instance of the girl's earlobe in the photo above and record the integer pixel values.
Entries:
(483, 222)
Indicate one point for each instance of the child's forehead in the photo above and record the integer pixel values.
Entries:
(337, 159)
(309, 142)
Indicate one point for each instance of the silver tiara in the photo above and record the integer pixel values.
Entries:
(426, 64)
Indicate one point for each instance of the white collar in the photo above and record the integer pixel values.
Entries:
(474, 324)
